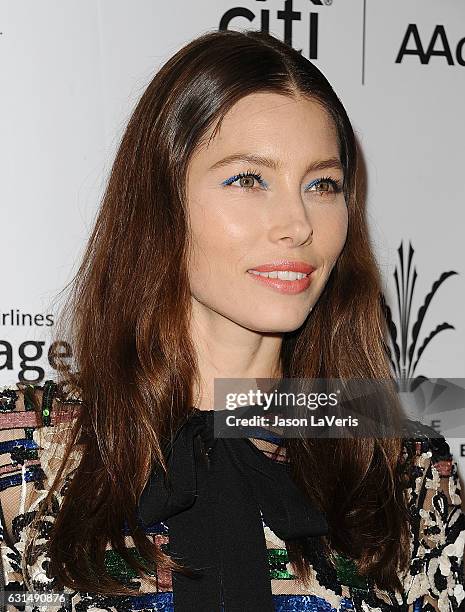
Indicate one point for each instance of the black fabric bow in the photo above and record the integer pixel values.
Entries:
(211, 505)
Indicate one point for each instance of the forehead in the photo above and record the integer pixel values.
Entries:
(290, 127)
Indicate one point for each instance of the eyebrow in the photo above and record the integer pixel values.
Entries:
(260, 160)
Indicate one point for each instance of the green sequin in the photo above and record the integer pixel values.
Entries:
(347, 572)
(277, 560)
(118, 568)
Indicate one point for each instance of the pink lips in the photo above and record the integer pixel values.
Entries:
(284, 286)
(286, 264)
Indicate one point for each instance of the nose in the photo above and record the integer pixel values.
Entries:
(291, 221)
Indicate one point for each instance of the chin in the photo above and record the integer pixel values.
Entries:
(277, 324)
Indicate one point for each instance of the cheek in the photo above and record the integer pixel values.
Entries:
(330, 230)
(221, 237)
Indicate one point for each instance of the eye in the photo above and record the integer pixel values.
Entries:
(325, 186)
(246, 180)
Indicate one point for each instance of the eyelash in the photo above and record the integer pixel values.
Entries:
(254, 173)
(336, 185)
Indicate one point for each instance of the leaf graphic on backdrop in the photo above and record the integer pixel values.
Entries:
(393, 334)
(428, 339)
(405, 276)
(422, 313)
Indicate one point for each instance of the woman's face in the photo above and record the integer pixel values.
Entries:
(287, 206)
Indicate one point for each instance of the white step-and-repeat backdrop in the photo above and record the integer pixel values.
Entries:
(72, 71)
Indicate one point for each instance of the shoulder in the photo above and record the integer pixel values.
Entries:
(437, 520)
(419, 437)
(429, 451)
(433, 468)
(34, 422)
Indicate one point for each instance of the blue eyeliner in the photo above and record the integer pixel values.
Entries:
(256, 175)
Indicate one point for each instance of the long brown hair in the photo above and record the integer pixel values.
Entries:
(134, 362)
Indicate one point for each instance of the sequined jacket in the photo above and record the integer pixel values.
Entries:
(30, 455)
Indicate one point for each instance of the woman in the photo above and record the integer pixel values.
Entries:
(239, 154)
